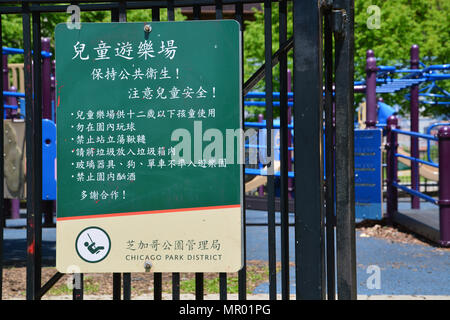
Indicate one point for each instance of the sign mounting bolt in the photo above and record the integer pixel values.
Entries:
(147, 266)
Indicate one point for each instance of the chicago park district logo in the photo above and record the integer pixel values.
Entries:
(93, 244)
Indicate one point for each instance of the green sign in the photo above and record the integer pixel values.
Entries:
(148, 134)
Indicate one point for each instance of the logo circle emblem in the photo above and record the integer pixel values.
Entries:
(93, 244)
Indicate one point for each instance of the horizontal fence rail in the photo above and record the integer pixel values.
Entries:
(416, 134)
(443, 200)
(428, 137)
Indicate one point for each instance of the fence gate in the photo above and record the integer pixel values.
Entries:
(321, 48)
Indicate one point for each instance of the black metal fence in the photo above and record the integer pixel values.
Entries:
(322, 45)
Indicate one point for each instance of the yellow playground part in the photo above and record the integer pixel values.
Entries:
(260, 180)
(362, 115)
(426, 171)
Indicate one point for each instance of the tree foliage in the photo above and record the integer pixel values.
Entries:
(402, 24)
(12, 25)
(254, 50)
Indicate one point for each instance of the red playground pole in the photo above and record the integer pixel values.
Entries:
(444, 185)
(415, 178)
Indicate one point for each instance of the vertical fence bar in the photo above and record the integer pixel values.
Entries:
(269, 153)
(414, 103)
(156, 14)
(219, 9)
(117, 286)
(371, 87)
(391, 168)
(170, 11)
(444, 185)
(308, 136)
(345, 178)
(114, 15)
(78, 286)
(222, 275)
(175, 286)
(127, 286)
(37, 141)
(242, 274)
(197, 11)
(284, 154)
(2, 205)
(222, 286)
(199, 286)
(122, 11)
(157, 286)
(26, 24)
(329, 161)
(32, 281)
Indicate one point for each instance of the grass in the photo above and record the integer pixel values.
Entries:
(211, 285)
(257, 272)
(89, 287)
(407, 178)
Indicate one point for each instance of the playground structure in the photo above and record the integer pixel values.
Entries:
(431, 223)
(14, 119)
(375, 115)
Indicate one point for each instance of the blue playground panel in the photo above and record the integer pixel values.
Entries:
(48, 160)
(368, 174)
(368, 166)
(384, 112)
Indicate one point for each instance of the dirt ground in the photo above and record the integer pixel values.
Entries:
(394, 233)
(142, 283)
